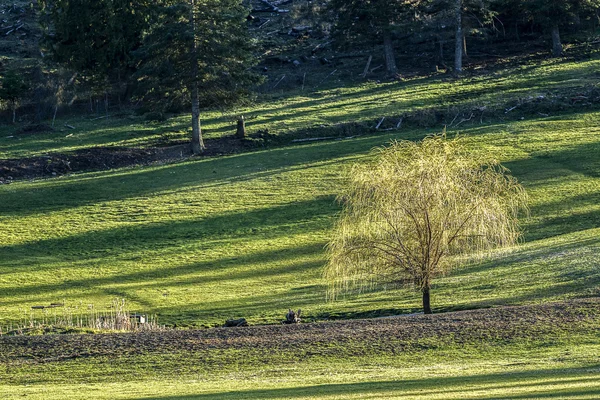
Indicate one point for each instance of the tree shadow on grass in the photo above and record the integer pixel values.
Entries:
(78, 191)
(257, 308)
(292, 218)
(547, 384)
(561, 218)
(240, 267)
(525, 255)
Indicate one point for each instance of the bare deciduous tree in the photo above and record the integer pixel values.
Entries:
(411, 213)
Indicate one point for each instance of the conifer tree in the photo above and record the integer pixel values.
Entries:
(555, 14)
(12, 89)
(359, 20)
(199, 53)
(461, 15)
(94, 38)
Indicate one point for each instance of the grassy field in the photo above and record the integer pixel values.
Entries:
(548, 351)
(562, 372)
(201, 241)
(208, 239)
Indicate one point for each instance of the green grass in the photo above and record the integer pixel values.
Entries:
(204, 240)
(556, 368)
(305, 112)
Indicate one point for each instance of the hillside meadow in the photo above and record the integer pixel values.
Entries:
(243, 235)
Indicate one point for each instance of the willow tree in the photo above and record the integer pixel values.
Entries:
(411, 214)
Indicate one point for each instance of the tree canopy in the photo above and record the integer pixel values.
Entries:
(12, 88)
(410, 213)
(95, 38)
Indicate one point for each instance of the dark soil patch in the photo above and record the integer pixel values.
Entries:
(355, 337)
(97, 158)
(106, 158)
(33, 129)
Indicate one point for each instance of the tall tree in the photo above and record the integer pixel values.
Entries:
(460, 37)
(196, 52)
(460, 14)
(12, 89)
(359, 20)
(408, 215)
(95, 38)
(556, 14)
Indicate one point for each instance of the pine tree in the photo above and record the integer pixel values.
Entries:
(555, 14)
(359, 20)
(196, 53)
(94, 38)
(461, 15)
(12, 89)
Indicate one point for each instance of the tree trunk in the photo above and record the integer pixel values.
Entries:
(197, 142)
(388, 49)
(426, 301)
(557, 49)
(54, 116)
(458, 48)
(14, 114)
(439, 52)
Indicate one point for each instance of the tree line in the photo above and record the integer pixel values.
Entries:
(178, 54)
(442, 21)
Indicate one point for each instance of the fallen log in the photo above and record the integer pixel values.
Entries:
(312, 139)
(271, 8)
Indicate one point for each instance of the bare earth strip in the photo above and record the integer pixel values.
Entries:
(369, 336)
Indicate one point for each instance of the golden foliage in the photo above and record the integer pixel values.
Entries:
(409, 213)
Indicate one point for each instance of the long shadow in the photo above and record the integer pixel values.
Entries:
(523, 256)
(565, 224)
(163, 234)
(56, 195)
(205, 271)
(581, 158)
(264, 222)
(434, 387)
(249, 306)
(539, 170)
(292, 112)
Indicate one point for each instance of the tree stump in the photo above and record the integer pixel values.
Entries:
(292, 317)
(241, 128)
